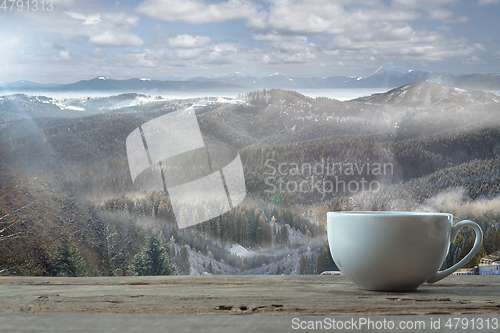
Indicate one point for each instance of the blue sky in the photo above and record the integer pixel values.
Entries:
(162, 38)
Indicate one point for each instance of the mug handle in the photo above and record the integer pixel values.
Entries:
(454, 231)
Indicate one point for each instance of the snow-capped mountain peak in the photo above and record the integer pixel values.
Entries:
(390, 69)
(429, 94)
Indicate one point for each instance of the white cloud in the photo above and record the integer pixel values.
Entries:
(270, 36)
(221, 53)
(187, 41)
(88, 22)
(287, 49)
(116, 39)
(63, 3)
(474, 60)
(312, 33)
(135, 62)
(10, 46)
(266, 59)
(421, 3)
(63, 55)
(11, 49)
(300, 57)
(419, 47)
(281, 41)
(322, 16)
(487, 2)
(102, 29)
(159, 31)
(225, 48)
(49, 46)
(90, 19)
(362, 33)
(307, 17)
(13, 42)
(440, 14)
(447, 29)
(197, 11)
(120, 19)
(481, 47)
(98, 52)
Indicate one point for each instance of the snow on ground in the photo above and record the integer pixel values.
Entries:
(80, 104)
(200, 264)
(289, 265)
(240, 251)
(73, 108)
(192, 108)
(294, 235)
(205, 102)
(228, 100)
(63, 106)
(138, 100)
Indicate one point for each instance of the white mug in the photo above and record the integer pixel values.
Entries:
(394, 251)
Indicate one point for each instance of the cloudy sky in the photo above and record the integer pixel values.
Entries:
(82, 39)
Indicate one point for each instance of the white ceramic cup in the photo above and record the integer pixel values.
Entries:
(394, 251)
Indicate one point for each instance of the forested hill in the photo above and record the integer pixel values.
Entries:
(66, 179)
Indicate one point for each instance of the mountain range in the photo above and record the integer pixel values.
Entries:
(387, 76)
(285, 106)
(104, 84)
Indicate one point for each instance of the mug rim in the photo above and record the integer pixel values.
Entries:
(394, 213)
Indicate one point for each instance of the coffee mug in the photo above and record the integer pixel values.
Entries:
(394, 251)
